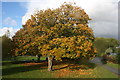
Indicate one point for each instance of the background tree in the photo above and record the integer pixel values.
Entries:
(118, 56)
(1, 48)
(7, 45)
(57, 33)
(102, 44)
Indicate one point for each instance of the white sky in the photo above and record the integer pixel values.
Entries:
(104, 13)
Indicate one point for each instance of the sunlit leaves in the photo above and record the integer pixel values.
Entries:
(61, 32)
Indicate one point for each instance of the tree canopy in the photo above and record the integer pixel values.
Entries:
(61, 32)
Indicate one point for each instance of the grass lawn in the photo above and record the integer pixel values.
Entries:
(61, 70)
(114, 65)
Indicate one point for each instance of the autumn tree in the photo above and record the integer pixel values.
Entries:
(57, 33)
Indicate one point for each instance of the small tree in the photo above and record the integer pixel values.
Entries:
(57, 33)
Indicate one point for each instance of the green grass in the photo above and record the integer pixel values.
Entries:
(36, 71)
(24, 72)
(20, 71)
(99, 72)
(103, 73)
(114, 65)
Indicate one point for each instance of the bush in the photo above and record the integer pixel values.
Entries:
(111, 58)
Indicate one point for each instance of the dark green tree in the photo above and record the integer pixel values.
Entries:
(102, 44)
(7, 46)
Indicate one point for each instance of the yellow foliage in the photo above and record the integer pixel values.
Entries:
(61, 32)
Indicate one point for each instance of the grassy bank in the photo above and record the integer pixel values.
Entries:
(62, 70)
(117, 66)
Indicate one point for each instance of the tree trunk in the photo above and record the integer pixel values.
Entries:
(46, 58)
(38, 59)
(50, 63)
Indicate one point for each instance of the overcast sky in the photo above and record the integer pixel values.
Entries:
(104, 14)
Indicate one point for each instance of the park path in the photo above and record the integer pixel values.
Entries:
(97, 60)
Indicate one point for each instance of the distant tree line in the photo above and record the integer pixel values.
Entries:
(108, 45)
(102, 44)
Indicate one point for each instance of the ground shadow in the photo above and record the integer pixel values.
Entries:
(83, 66)
(72, 65)
(30, 66)
(60, 68)
(23, 68)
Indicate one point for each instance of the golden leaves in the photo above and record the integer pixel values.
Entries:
(59, 32)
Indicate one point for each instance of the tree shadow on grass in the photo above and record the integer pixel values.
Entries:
(61, 68)
(83, 66)
(30, 66)
(76, 66)
(23, 67)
